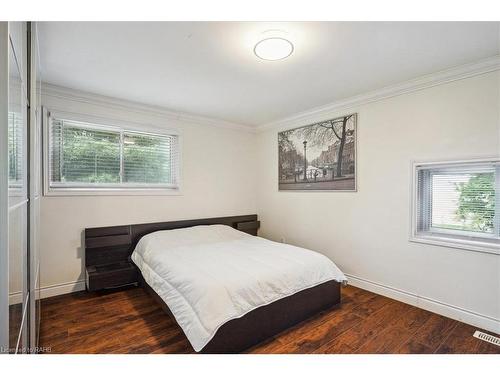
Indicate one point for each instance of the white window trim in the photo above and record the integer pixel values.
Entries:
(443, 237)
(115, 125)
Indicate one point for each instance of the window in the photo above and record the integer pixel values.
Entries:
(458, 204)
(16, 144)
(88, 157)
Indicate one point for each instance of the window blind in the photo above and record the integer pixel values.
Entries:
(15, 147)
(148, 159)
(86, 155)
(459, 200)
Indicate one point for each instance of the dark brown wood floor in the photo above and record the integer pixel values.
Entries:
(130, 321)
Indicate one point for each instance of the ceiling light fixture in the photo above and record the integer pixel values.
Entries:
(273, 48)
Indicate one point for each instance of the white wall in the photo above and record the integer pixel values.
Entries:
(366, 233)
(218, 179)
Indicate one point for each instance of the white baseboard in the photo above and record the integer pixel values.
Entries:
(15, 298)
(454, 312)
(51, 291)
(64, 288)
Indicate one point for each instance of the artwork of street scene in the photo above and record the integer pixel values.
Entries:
(320, 156)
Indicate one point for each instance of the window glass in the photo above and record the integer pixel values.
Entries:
(146, 159)
(86, 155)
(463, 201)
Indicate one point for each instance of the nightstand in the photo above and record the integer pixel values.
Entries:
(107, 258)
(114, 275)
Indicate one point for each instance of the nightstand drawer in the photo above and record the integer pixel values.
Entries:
(110, 276)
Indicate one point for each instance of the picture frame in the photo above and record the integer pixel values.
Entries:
(320, 156)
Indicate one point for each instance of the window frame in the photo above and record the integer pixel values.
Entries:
(480, 242)
(99, 123)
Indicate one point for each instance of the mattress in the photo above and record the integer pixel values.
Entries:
(211, 274)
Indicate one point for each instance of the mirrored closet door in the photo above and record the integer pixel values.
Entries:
(22, 171)
(18, 189)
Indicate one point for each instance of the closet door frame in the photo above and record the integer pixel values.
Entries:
(34, 164)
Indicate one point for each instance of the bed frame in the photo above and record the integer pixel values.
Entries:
(110, 247)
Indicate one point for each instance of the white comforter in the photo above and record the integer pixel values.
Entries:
(208, 275)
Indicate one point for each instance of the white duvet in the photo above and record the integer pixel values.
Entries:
(210, 274)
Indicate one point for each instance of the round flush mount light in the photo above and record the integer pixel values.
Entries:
(273, 48)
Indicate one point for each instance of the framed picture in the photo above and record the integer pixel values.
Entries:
(320, 156)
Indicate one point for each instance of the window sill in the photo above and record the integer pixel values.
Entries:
(109, 192)
(464, 244)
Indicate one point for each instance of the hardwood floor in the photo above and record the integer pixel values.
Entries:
(130, 321)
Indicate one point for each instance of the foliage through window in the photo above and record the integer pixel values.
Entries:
(459, 201)
(86, 155)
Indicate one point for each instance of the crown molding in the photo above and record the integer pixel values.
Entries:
(75, 95)
(316, 114)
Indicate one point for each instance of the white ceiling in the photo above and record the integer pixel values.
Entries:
(209, 69)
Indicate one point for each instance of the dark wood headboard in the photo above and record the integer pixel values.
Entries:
(106, 245)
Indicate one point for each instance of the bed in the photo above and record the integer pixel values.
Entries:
(225, 287)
